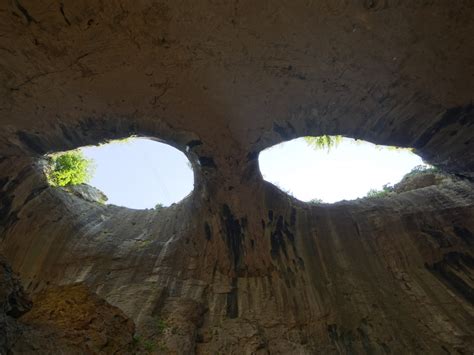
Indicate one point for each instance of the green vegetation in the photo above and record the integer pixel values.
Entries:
(421, 169)
(386, 191)
(392, 147)
(159, 206)
(161, 325)
(70, 168)
(323, 142)
(143, 243)
(121, 140)
(330, 142)
(149, 345)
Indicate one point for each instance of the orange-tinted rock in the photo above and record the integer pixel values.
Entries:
(79, 319)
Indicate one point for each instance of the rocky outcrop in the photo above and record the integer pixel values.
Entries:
(239, 266)
(290, 277)
(73, 319)
(87, 192)
(418, 180)
(13, 303)
(62, 319)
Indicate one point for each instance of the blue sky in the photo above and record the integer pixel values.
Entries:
(140, 173)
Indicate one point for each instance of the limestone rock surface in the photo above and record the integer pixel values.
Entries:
(80, 319)
(239, 266)
(13, 303)
(87, 192)
(62, 319)
(422, 179)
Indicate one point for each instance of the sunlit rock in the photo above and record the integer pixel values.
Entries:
(239, 266)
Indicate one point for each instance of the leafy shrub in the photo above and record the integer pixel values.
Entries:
(329, 142)
(70, 168)
(385, 191)
(388, 189)
(377, 193)
(419, 169)
(323, 142)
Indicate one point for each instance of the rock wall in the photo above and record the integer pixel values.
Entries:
(265, 272)
(13, 303)
(238, 266)
(66, 319)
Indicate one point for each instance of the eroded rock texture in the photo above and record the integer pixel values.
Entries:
(13, 303)
(238, 266)
(76, 320)
(61, 319)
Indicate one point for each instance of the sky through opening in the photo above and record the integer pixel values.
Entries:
(140, 173)
(346, 172)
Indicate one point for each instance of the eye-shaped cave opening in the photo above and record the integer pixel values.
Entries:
(328, 169)
(134, 172)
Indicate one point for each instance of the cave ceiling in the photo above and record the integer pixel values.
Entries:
(239, 266)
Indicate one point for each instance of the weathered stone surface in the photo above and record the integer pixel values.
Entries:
(238, 266)
(63, 319)
(421, 179)
(13, 303)
(77, 319)
(87, 192)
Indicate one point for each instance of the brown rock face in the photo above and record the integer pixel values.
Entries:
(79, 319)
(238, 266)
(420, 180)
(13, 303)
(68, 319)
